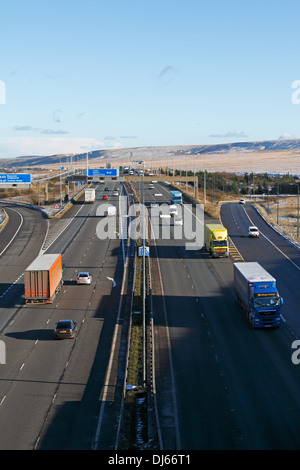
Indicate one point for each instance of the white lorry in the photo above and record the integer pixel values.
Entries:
(111, 210)
(89, 195)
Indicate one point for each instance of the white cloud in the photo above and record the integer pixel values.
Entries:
(29, 146)
(53, 131)
(116, 145)
(230, 134)
(25, 128)
(286, 135)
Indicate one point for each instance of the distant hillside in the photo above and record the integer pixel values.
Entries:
(159, 153)
(266, 145)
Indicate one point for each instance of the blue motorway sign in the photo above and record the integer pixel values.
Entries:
(141, 251)
(103, 172)
(15, 178)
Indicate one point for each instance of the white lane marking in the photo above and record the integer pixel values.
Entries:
(16, 233)
(278, 249)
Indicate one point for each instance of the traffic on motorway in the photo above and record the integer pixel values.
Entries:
(225, 324)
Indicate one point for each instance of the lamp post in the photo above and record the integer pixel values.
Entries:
(298, 213)
(297, 183)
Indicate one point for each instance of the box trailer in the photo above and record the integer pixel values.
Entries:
(216, 240)
(43, 278)
(89, 195)
(257, 292)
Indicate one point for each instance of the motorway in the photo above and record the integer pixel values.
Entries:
(58, 394)
(220, 384)
(234, 387)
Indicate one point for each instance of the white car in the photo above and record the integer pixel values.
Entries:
(242, 201)
(253, 232)
(178, 222)
(84, 277)
(173, 210)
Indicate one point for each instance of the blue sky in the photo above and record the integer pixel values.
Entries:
(76, 76)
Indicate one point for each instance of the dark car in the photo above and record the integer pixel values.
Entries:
(65, 329)
(106, 189)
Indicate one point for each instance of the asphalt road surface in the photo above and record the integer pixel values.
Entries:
(52, 392)
(220, 383)
(235, 387)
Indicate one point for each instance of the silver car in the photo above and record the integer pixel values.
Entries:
(84, 277)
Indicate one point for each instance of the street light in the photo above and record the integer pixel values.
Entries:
(297, 183)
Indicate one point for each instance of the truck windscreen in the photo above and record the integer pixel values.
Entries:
(220, 243)
(266, 300)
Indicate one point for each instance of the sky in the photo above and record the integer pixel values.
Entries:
(77, 76)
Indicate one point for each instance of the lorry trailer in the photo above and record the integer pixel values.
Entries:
(43, 278)
(89, 195)
(257, 292)
(216, 240)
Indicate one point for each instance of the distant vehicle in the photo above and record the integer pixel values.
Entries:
(173, 210)
(104, 196)
(176, 197)
(257, 292)
(178, 222)
(215, 240)
(106, 189)
(65, 329)
(151, 186)
(84, 277)
(43, 278)
(242, 201)
(111, 210)
(253, 232)
(89, 195)
(116, 193)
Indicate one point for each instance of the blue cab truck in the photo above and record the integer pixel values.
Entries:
(176, 197)
(257, 292)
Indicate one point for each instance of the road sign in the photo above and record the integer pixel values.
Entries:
(146, 251)
(10, 180)
(103, 172)
(13, 178)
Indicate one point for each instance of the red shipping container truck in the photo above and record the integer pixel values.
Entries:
(43, 278)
